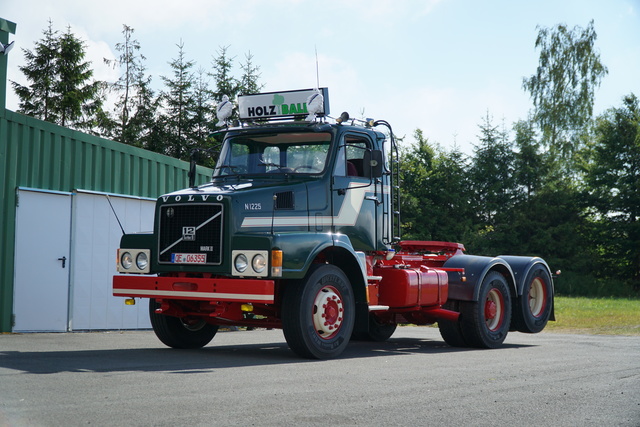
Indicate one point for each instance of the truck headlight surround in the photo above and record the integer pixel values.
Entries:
(259, 263)
(136, 261)
(249, 263)
(241, 263)
(126, 260)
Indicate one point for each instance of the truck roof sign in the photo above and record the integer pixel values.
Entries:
(272, 105)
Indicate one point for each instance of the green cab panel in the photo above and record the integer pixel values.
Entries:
(299, 250)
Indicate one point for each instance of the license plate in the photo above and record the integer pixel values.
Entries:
(189, 258)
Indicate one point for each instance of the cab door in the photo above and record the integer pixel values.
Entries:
(354, 205)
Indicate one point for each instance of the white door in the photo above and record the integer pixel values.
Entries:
(96, 237)
(42, 251)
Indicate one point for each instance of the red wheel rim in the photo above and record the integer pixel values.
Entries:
(537, 297)
(494, 310)
(328, 312)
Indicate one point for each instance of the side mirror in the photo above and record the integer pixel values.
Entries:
(192, 170)
(374, 160)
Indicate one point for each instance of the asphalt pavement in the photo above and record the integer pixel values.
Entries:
(251, 378)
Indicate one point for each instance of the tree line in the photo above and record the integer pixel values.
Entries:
(560, 183)
(61, 89)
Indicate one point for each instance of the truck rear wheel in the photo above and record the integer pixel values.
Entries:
(450, 331)
(318, 313)
(532, 310)
(485, 323)
(180, 332)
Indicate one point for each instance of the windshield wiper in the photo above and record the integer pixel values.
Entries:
(275, 165)
(232, 168)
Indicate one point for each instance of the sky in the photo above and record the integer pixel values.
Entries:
(441, 66)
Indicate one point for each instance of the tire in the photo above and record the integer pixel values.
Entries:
(532, 310)
(318, 313)
(178, 332)
(485, 323)
(379, 331)
(451, 332)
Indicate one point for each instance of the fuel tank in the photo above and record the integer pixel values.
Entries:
(410, 287)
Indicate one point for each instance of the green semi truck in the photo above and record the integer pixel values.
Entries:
(299, 229)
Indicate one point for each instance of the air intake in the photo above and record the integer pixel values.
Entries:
(284, 200)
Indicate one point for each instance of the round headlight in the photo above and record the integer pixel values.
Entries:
(142, 261)
(126, 260)
(241, 263)
(259, 263)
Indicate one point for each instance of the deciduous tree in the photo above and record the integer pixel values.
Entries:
(563, 87)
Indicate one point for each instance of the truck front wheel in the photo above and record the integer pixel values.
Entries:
(318, 313)
(532, 310)
(485, 323)
(180, 333)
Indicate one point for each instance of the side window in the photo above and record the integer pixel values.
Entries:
(356, 147)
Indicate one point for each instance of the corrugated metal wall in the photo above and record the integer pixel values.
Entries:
(38, 154)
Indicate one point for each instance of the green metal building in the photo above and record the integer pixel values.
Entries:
(36, 156)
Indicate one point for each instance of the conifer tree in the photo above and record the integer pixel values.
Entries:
(492, 172)
(225, 83)
(61, 88)
(37, 98)
(613, 186)
(204, 107)
(77, 96)
(249, 82)
(135, 106)
(529, 162)
(178, 104)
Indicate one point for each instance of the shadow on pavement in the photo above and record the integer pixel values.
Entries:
(206, 359)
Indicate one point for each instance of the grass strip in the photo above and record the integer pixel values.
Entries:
(605, 316)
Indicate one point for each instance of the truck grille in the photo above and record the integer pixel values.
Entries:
(190, 234)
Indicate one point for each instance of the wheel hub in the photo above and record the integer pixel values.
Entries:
(328, 310)
(537, 298)
(192, 324)
(490, 310)
(494, 310)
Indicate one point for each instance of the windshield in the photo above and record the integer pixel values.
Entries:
(274, 153)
